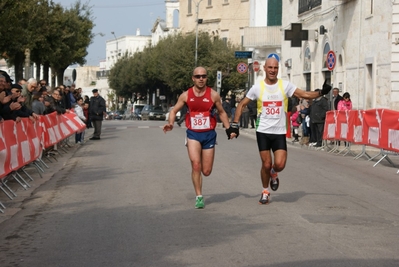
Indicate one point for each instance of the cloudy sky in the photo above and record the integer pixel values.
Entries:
(123, 17)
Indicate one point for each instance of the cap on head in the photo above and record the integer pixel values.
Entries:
(5, 74)
(95, 90)
(16, 86)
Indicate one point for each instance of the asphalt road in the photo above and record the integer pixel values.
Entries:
(128, 200)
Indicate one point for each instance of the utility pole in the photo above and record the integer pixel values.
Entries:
(196, 32)
(117, 50)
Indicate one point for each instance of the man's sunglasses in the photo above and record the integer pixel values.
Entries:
(203, 76)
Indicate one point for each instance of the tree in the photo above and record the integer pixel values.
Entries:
(168, 66)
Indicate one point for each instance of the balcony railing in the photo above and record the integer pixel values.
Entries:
(306, 5)
(102, 74)
(262, 37)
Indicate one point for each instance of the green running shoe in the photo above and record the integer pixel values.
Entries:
(199, 203)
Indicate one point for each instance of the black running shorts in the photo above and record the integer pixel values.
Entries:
(271, 141)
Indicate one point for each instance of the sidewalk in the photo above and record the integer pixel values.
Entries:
(354, 151)
(55, 167)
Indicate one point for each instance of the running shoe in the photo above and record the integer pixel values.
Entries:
(274, 181)
(264, 197)
(199, 203)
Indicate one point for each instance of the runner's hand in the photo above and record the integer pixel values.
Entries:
(234, 129)
(167, 127)
(326, 88)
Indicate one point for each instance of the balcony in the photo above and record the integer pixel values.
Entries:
(263, 37)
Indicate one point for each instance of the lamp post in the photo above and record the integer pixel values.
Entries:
(117, 50)
(196, 32)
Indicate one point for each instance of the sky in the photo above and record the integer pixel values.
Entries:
(122, 17)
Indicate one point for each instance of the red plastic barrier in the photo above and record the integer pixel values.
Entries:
(355, 129)
(330, 126)
(372, 127)
(4, 154)
(389, 139)
(22, 142)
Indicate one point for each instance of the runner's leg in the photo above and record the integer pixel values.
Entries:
(194, 153)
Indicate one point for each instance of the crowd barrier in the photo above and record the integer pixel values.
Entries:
(23, 142)
(378, 128)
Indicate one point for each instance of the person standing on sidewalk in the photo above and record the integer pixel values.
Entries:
(96, 113)
(272, 97)
(201, 102)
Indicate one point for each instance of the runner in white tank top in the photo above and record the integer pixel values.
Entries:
(272, 98)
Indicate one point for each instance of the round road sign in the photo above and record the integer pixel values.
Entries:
(331, 59)
(256, 66)
(242, 68)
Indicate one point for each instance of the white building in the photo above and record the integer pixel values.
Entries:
(363, 34)
(128, 44)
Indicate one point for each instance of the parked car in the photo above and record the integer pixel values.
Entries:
(118, 115)
(136, 112)
(177, 114)
(151, 112)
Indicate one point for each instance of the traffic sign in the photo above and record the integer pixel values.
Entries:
(243, 54)
(242, 68)
(331, 60)
(219, 79)
(256, 66)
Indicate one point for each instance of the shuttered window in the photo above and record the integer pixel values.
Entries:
(274, 12)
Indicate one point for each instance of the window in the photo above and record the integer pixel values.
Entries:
(209, 2)
(307, 62)
(189, 10)
(325, 52)
(306, 5)
(369, 7)
(274, 12)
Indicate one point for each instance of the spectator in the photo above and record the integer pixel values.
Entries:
(295, 120)
(252, 106)
(336, 98)
(86, 113)
(345, 103)
(183, 113)
(318, 112)
(96, 113)
(233, 102)
(38, 103)
(79, 112)
(55, 103)
(227, 106)
(304, 113)
(244, 119)
(28, 90)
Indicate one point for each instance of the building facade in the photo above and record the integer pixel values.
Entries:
(363, 35)
(225, 19)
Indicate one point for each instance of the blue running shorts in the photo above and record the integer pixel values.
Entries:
(206, 139)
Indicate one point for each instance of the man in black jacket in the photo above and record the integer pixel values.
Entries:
(96, 113)
(318, 111)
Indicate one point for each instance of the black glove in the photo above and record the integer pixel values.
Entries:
(326, 88)
(233, 129)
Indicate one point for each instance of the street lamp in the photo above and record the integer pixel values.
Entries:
(117, 50)
(196, 32)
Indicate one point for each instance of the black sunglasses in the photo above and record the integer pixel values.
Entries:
(203, 76)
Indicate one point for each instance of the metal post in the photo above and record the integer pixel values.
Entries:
(196, 33)
(117, 50)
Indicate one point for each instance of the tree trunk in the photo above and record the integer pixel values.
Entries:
(46, 67)
(53, 75)
(19, 66)
(38, 66)
(60, 75)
